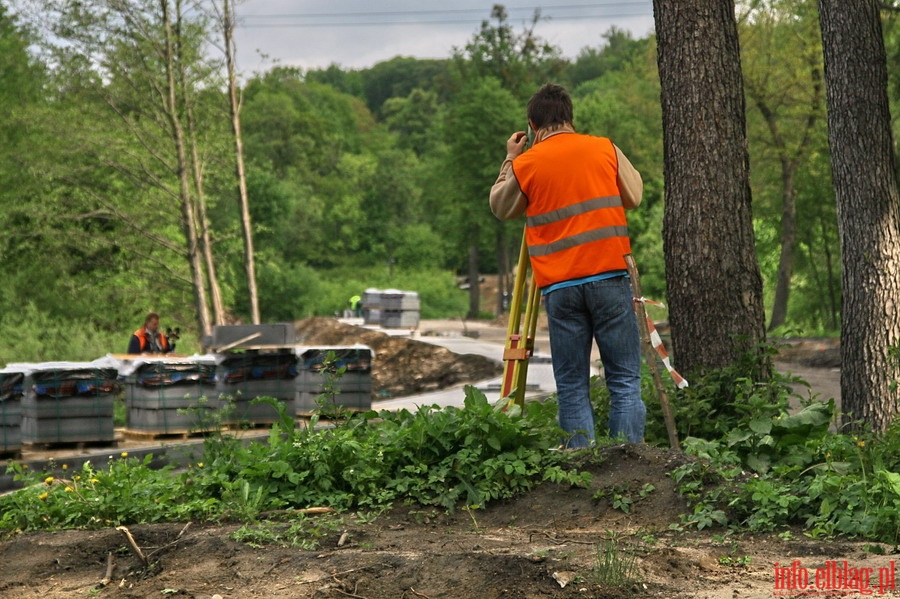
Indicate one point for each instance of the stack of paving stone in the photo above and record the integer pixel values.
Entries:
(338, 376)
(69, 402)
(371, 306)
(399, 309)
(169, 395)
(245, 376)
(11, 391)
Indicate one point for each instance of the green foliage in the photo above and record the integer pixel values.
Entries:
(520, 61)
(125, 491)
(789, 469)
(616, 54)
(304, 532)
(442, 457)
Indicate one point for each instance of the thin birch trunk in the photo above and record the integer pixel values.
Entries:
(187, 207)
(246, 228)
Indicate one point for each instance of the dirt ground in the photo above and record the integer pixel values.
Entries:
(552, 542)
(555, 541)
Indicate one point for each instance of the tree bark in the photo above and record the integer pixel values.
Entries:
(712, 277)
(205, 239)
(502, 265)
(246, 227)
(187, 208)
(474, 287)
(868, 206)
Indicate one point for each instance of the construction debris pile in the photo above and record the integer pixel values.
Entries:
(401, 366)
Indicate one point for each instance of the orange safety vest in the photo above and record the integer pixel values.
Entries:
(575, 223)
(141, 334)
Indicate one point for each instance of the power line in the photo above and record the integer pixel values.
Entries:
(432, 16)
(442, 22)
(446, 11)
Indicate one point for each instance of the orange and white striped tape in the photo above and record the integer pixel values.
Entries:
(656, 342)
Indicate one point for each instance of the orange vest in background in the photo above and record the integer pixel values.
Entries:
(575, 223)
(141, 334)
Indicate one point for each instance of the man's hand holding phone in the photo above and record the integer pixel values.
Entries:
(516, 143)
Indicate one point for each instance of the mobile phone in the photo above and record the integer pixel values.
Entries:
(530, 135)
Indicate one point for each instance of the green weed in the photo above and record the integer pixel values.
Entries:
(614, 566)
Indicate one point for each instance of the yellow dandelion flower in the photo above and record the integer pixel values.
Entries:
(124, 454)
(199, 464)
(43, 496)
(862, 443)
(69, 489)
(95, 480)
(77, 477)
(65, 466)
(48, 480)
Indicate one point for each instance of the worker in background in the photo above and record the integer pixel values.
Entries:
(149, 340)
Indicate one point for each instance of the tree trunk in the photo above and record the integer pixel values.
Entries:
(187, 208)
(202, 220)
(713, 279)
(502, 271)
(474, 287)
(246, 228)
(789, 162)
(868, 206)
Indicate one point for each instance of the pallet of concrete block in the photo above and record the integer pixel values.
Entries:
(339, 376)
(11, 391)
(169, 395)
(400, 309)
(371, 306)
(396, 300)
(242, 377)
(68, 402)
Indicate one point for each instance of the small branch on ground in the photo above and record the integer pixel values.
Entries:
(110, 566)
(134, 546)
(308, 511)
(418, 594)
(167, 545)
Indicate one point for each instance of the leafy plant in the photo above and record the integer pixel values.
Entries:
(446, 458)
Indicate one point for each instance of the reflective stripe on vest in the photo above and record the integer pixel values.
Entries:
(575, 225)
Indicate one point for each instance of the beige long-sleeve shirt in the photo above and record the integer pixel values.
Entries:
(508, 201)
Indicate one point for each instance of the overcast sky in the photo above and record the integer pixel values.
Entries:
(360, 33)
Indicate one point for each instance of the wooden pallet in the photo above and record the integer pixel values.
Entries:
(51, 445)
(11, 454)
(142, 435)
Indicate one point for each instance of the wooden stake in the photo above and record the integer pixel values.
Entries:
(650, 354)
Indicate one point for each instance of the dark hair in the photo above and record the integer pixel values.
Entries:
(550, 105)
(151, 316)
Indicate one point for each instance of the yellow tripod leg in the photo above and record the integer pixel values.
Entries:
(532, 307)
(514, 350)
(520, 335)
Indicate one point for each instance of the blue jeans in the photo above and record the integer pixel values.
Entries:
(602, 311)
